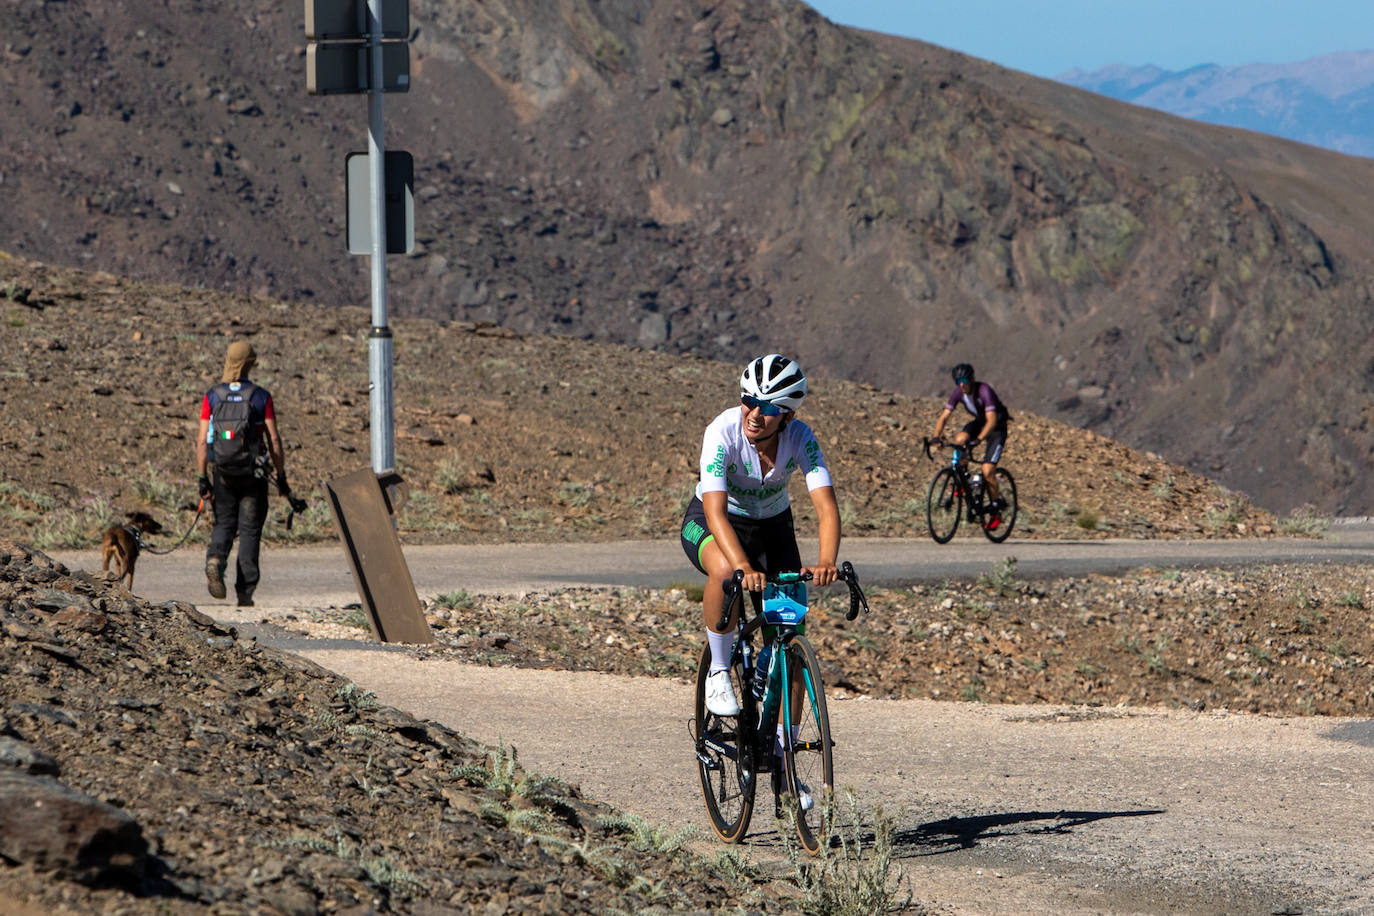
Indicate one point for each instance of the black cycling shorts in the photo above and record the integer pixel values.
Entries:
(769, 543)
(993, 444)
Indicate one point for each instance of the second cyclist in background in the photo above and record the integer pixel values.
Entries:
(741, 517)
(989, 425)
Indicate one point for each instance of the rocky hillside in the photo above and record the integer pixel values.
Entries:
(716, 178)
(501, 437)
(152, 761)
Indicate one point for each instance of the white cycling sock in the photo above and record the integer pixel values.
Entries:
(721, 644)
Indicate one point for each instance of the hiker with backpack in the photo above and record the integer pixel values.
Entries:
(238, 435)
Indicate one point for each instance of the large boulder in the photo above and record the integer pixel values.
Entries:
(56, 828)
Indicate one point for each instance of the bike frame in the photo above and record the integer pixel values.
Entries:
(959, 460)
(780, 610)
(785, 614)
(734, 751)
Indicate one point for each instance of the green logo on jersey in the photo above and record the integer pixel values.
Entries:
(717, 466)
(759, 493)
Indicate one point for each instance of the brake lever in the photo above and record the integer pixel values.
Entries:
(857, 600)
(731, 590)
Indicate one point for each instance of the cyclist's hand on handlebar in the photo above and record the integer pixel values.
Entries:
(822, 573)
(753, 581)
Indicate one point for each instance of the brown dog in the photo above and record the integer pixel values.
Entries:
(121, 545)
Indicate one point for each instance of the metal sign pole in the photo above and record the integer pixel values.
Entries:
(380, 354)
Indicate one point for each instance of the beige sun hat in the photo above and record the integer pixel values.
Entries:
(240, 358)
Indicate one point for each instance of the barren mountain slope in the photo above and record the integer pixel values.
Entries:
(710, 178)
(501, 437)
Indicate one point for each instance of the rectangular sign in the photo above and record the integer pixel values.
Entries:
(332, 69)
(400, 202)
(346, 20)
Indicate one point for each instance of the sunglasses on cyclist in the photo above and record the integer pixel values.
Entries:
(767, 408)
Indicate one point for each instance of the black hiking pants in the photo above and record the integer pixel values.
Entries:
(240, 511)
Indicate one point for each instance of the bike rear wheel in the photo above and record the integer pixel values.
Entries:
(724, 759)
(808, 758)
(997, 526)
(944, 505)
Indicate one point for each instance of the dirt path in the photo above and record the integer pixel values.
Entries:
(1005, 809)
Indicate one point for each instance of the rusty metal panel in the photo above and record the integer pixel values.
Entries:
(364, 517)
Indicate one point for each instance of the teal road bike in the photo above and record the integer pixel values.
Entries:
(782, 702)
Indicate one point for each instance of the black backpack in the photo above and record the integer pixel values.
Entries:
(237, 448)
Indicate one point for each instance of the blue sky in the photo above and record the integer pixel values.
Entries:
(1047, 37)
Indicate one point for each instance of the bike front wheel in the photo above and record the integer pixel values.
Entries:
(807, 747)
(997, 525)
(724, 758)
(944, 505)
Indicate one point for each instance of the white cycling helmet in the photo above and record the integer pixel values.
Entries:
(774, 378)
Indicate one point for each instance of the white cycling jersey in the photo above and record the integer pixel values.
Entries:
(730, 464)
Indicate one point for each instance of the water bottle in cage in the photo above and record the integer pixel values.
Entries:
(761, 670)
(976, 483)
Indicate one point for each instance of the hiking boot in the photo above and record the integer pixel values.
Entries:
(720, 694)
(214, 577)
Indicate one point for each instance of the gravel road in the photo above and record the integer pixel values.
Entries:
(1002, 809)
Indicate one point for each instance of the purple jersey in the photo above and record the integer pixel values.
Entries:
(978, 402)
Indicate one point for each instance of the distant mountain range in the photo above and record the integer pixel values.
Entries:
(1326, 101)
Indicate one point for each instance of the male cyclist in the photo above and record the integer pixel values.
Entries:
(989, 425)
(741, 517)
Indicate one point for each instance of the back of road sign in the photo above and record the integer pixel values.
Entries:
(400, 203)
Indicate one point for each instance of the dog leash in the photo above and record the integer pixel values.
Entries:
(138, 535)
(297, 506)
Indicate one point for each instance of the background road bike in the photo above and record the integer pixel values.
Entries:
(780, 687)
(955, 493)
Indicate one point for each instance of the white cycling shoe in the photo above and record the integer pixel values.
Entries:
(720, 694)
(804, 800)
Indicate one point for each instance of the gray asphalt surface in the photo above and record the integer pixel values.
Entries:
(320, 576)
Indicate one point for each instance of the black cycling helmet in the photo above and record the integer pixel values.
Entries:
(962, 373)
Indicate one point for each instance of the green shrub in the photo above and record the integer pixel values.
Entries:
(1305, 522)
(1002, 579)
(841, 880)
